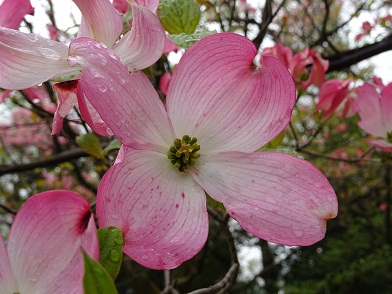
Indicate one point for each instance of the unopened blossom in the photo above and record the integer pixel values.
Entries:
(44, 247)
(29, 59)
(335, 94)
(376, 115)
(220, 109)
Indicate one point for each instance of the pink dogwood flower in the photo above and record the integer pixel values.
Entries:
(376, 116)
(298, 63)
(221, 108)
(29, 59)
(334, 93)
(43, 253)
(12, 12)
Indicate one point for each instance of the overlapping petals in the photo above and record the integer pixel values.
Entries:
(232, 107)
(121, 104)
(29, 59)
(100, 21)
(162, 213)
(44, 245)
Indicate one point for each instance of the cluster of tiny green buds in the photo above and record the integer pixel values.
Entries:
(183, 153)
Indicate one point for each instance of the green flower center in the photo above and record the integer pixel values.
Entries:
(183, 153)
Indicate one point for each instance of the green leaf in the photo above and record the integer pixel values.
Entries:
(110, 249)
(185, 41)
(179, 16)
(115, 144)
(89, 143)
(96, 280)
(275, 142)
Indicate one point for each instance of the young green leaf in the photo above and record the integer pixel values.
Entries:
(179, 16)
(185, 41)
(89, 143)
(110, 249)
(96, 280)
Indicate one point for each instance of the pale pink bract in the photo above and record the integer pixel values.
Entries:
(233, 108)
(44, 247)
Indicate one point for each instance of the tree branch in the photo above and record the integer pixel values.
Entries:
(351, 57)
(54, 160)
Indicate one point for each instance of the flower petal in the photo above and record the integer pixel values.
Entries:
(128, 103)
(274, 196)
(91, 116)
(45, 241)
(100, 21)
(161, 211)
(28, 59)
(369, 110)
(12, 12)
(67, 98)
(7, 284)
(386, 107)
(150, 4)
(218, 95)
(382, 144)
(144, 44)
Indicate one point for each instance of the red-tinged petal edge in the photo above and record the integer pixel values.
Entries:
(100, 21)
(144, 44)
(67, 98)
(45, 241)
(274, 196)
(128, 103)
(220, 97)
(161, 212)
(28, 59)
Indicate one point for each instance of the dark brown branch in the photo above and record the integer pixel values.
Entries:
(8, 209)
(351, 57)
(54, 160)
(221, 284)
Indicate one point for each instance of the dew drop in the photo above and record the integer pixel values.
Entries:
(49, 53)
(119, 241)
(114, 255)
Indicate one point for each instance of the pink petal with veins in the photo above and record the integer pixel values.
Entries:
(143, 45)
(121, 98)
(44, 245)
(220, 97)
(369, 110)
(274, 196)
(28, 59)
(161, 212)
(152, 5)
(100, 21)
